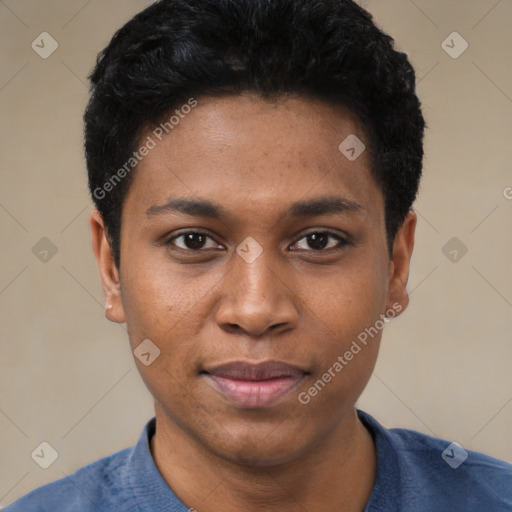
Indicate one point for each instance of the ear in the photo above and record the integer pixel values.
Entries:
(109, 273)
(400, 262)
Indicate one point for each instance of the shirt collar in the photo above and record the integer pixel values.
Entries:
(152, 493)
(149, 489)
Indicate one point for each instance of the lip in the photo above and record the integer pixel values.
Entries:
(254, 385)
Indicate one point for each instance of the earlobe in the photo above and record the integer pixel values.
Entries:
(403, 246)
(109, 273)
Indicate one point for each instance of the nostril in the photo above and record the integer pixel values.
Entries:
(232, 328)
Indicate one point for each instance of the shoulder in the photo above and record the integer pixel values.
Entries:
(446, 469)
(420, 449)
(90, 488)
(431, 471)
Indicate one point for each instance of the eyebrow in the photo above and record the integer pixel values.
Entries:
(324, 206)
(195, 207)
(308, 208)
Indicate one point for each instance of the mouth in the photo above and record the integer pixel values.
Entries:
(252, 385)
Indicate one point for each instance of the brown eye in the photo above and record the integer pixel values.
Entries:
(193, 241)
(320, 240)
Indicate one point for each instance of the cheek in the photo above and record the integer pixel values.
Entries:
(158, 299)
(345, 312)
(347, 301)
(170, 309)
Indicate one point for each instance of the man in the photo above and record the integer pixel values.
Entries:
(254, 165)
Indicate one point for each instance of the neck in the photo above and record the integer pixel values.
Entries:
(336, 475)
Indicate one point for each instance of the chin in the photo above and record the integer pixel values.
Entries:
(258, 446)
(259, 456)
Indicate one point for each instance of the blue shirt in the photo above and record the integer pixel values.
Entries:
(415, 472)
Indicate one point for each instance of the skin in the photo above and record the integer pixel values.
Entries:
(293, 303)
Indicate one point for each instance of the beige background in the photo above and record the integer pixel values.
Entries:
(66, 374)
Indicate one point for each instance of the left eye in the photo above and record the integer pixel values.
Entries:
(320, 240)
(194, 241)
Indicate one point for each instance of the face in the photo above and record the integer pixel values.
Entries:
(254, 256)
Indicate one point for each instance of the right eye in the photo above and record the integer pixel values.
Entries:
(193, 241)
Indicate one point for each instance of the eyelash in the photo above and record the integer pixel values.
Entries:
(342, 241)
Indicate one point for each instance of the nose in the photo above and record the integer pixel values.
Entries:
(256, 299)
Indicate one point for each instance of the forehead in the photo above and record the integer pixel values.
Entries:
(246, 152)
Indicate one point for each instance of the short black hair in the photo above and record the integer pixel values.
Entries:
(176, 50)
